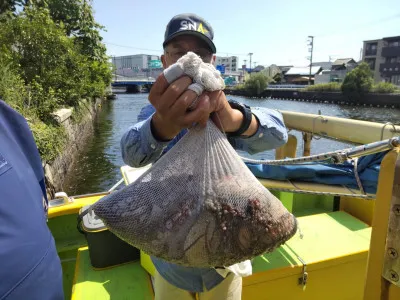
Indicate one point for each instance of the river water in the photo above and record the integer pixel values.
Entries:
(98, 168)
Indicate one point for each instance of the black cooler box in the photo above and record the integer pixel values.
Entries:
(105, 248)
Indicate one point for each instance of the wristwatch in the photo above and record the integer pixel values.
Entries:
(247, 117)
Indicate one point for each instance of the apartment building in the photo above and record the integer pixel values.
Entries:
(231, 63)
(137, 61)
(383, 56)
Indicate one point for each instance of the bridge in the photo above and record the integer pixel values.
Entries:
(132, 84)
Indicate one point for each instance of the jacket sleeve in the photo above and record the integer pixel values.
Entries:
(271, 133)
(138, 145)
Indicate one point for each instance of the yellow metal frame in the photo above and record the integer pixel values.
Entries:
(75, 206)
(354, 131)
(287, 150)
(376, 287)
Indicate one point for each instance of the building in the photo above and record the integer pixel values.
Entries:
(257, 69)
(272, 70)
(140, 61)
(300, 75)
(383, 56)
(337, 72)
(231, 63)
(325, 65)
(137, 65)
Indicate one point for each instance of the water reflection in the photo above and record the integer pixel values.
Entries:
(98, 167)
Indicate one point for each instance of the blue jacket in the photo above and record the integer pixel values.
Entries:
(29, 264)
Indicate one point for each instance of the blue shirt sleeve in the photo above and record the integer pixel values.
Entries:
(271, 133)
(139, 147)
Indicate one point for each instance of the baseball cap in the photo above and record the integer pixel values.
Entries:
(190, 24)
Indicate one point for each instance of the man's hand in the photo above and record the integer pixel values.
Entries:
(171, 103)
(172, 115)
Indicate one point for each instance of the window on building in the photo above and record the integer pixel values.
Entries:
(371, 49)
(394, 43)
(371, 62)
(391, 59)
(395, 79)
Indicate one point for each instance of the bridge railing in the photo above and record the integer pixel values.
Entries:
(136, 78)
(285, 86)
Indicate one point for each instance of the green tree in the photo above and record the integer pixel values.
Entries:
(358, 82)
(257, 83)
(278, 77)
(12, 87)
(43, 53)
(43, 68)
(76, 16)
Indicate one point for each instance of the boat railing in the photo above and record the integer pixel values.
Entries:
(383, 266)
(343, 129)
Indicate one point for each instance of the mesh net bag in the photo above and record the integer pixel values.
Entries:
(199, 205)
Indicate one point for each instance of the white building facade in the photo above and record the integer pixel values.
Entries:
(231, 63)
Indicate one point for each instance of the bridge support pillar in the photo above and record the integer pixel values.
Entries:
(133, 89)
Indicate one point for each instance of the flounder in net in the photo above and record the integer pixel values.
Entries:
(199, 205)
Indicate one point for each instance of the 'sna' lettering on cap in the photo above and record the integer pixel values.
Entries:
(190, 24)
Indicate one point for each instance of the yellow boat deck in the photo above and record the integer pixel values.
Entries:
(129, 281)
(341, 255)
(334, 247)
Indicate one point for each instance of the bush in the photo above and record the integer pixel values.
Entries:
(50, 139)
(257, 83)
(325, 87)
(358, 82)
(12, 87)
(240, 86)
(385, 88)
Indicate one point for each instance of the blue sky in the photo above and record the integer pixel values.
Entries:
(275, 31)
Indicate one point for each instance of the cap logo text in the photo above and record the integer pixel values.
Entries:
(187, 25)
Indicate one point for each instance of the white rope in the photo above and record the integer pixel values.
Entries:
(357, 176)
(336, 157)
(116, 185)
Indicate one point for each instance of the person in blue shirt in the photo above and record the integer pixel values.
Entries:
(29, 264)
(163, 122)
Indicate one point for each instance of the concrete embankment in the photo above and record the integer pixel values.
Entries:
(77, 135)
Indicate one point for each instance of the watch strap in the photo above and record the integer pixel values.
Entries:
(247, 117)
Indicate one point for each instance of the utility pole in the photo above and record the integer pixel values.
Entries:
(311, 50)
(245, 67)
(115, 68)
(250, 54)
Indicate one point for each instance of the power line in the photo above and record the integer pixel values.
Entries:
(160, 50)
(125, 46)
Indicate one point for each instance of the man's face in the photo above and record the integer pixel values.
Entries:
(179, 46)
